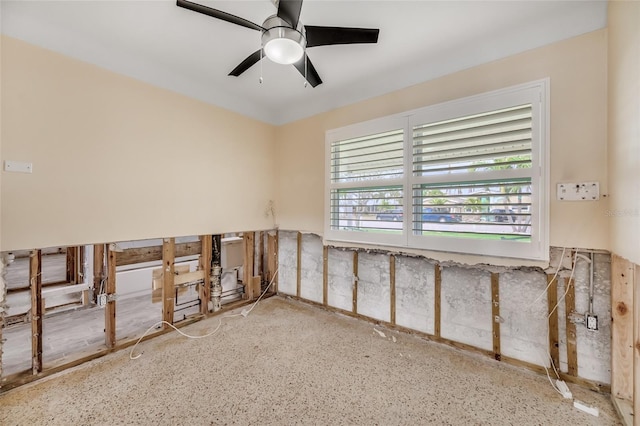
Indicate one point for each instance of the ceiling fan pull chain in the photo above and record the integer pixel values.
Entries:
(261, 65)
(305, 67)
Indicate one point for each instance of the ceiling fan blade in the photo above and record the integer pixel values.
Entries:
(312, 75)
(289, 10)
(215, 13)
(324, 36)
(247, 63)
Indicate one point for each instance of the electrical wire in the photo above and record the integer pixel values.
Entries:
(555, 275)
(555, 388)
(569, 284)
(242, 314)
(552, 279)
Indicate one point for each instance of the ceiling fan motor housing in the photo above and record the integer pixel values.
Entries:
(282, 43)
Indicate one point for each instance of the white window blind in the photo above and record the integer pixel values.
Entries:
(467, 176)
(366, 178)
(493, 139)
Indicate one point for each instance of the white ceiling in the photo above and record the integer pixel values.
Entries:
(190, 53)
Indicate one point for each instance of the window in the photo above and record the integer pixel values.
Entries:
(466, 176)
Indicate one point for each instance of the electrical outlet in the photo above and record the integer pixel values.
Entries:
(592, 322)
(102, 300)
(582, 191)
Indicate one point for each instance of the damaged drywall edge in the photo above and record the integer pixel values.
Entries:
(3, 297)
(553, 263)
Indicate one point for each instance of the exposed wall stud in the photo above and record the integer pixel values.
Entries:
(354, 308)
(552, 301)
(168, 275)
(392, 289)
(206, 254)
(572, 348)
(261, 266)
(37, 310)
(110, 308)
(325, 275)
(299, 266)
(495, 313)
(636, 346)
(622, 281)
(98, 269)
(272, 260)
(437, 289)
(249, 253)
(71, 264)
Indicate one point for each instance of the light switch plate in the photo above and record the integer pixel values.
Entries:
(18, 167)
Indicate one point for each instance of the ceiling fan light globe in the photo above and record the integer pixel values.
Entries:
(283, 51)
(281, 44)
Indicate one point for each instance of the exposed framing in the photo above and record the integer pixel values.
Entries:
(37, 309)
(110, 308)
(495, 314)
(105, 260)
(495, 353)
(552, 301)
(572, 341)
(206, 256)
(249, 253)
(168, 276)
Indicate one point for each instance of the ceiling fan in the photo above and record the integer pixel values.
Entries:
(285, 39)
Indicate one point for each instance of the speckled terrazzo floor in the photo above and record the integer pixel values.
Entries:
(290, 363)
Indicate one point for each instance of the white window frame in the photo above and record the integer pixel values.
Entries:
(537, 94)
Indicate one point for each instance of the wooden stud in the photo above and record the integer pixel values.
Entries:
(261, 267)
(80, 270)
(392, 289)
(552, 301)
(636, 346)
(437, 288)
(325, 276)
(154, 253)
(354, 308)
(622, 279)
(272, 260)
(249, 252)
(110, 308)
(572, 347)
(37, 309)
(256, 283)
(71, 265)
(98, 269)
(495, 314)
(206, 242)
(299, 266)
(168, 277)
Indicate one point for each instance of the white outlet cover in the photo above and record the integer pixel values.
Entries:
(578, 191)
(18, 167)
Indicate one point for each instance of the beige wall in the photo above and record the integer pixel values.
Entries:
(117, 159)
(624, 128)
(577, 71)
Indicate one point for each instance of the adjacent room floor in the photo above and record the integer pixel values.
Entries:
(291, 363)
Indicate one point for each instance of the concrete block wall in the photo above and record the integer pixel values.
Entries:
(340, 279)
(287, 262)
(311, 263)
(594, 347)
(524, 308)
(415, 294)
(465, 305)
(373, 286)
